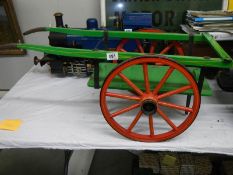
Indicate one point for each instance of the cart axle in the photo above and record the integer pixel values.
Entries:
(149, 107)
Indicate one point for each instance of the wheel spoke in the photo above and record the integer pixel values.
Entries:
(151, 124)
(170, 105)
(166, 49)
(177, 91)
(153, 47)
(179, 48)
(164, 79)
(123, 96)
(139, 46)
(123, 50)
(130, 83)
(166, 118)
(146, 78)
(135, 121)
(125, 110)
(123, 42)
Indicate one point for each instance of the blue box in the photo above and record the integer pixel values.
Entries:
(137, 20)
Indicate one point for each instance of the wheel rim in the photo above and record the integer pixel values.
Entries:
(172, 45)
(148, 96)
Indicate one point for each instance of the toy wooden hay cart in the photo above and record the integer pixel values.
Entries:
(139, 97)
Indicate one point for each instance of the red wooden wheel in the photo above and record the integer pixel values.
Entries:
(172, 45)
(148, 115)
(123, 42)
(176, 45)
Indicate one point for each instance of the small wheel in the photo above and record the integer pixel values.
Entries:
(173, 45)
(148, 115)
(123, 42)
(139, 47)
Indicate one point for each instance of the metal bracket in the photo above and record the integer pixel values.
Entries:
(191, 39)
(190, 53)
(68, 154)
(106, 39)
(96, 74)
(201, 79)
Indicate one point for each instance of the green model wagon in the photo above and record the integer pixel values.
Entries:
(145, 96)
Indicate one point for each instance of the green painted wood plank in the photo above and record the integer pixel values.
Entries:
(217, 48)
(135, 74)
(130, 35)
(101, 54)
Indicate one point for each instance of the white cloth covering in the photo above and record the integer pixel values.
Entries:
(63, 113)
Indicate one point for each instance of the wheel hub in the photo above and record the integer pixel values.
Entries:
(149, 107)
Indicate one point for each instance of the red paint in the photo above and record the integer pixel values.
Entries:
(152, 135)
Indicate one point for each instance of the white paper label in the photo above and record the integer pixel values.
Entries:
(112, 56)
(128, 30)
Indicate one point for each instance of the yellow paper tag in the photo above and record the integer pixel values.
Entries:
(230, 4)
(11, 125)
(169, 160)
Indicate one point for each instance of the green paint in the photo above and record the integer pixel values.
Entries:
(135, 74)
(130, 35)
(101, 55)
(214, 44)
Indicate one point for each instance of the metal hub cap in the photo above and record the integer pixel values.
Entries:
(149, 107)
